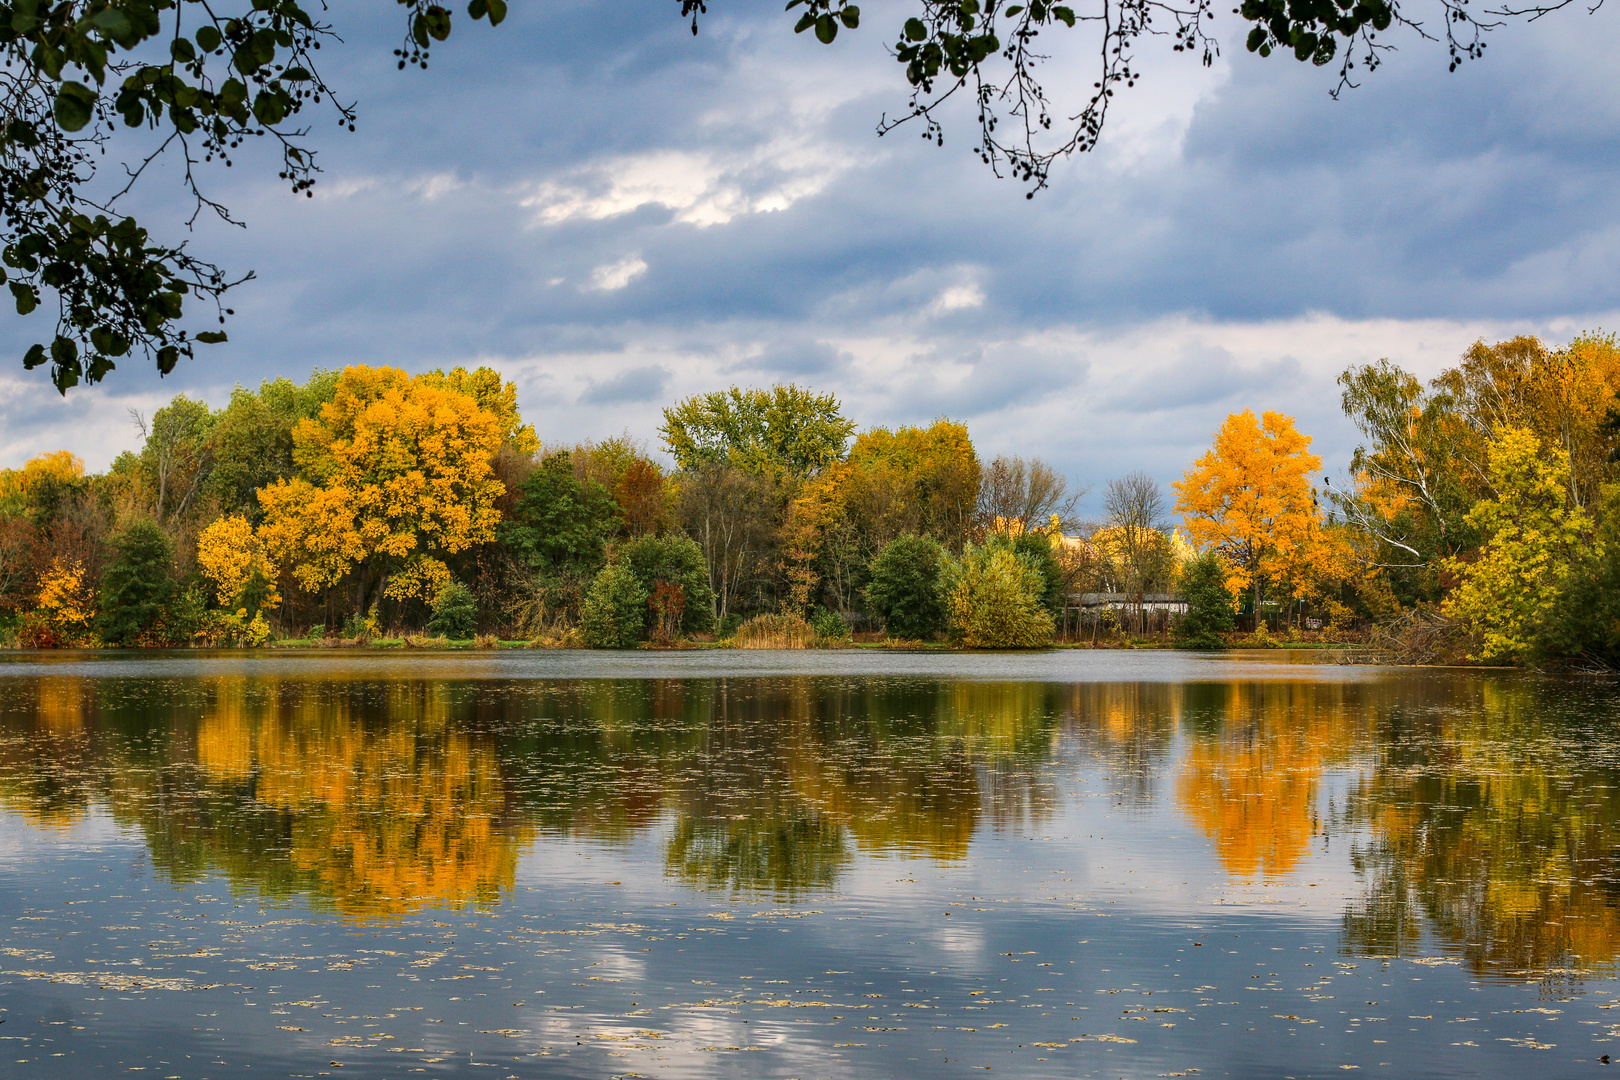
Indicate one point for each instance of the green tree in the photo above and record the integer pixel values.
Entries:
(1585, 620)
(784, 430)
(905, 588)
(677, 561)
(1209, 605)
(455, 612)
(1035, 549)
(177, 456)
(138, 584)
(252, 441)
(559, 523)
(615, 610)
(993, 599)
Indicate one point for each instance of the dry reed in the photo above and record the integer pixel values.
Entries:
(774, 632)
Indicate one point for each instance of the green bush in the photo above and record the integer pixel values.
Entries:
(1209, 605)
(905, 591)
(187, 615)
(137, 586)
(678, 561)
(830, 626)
(455, 612)
(358, 625)
(615, 610)
(994, 599)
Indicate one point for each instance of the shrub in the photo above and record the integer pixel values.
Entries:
(775, 632)
(455, 612)
(36, 630)
(994, 599)
(257, 632)
(188, 620)
(615, 609)
(830, 626)
(137, 586)
(677, 561)
(362, 627)
(1209, 605)
(66, 610)
(905, 592)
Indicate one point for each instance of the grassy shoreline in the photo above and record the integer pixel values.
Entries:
(386, 644)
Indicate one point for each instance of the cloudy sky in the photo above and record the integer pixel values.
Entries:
(617, 214)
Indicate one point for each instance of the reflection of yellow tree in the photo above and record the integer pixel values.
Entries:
(387, 816)
(1251, 782)
(46, 769)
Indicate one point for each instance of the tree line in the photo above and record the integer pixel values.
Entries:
(374, 503)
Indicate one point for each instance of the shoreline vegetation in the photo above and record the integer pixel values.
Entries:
(1479, 524)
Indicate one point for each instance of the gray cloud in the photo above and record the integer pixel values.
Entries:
(1200, 375)
(781, 239)
(636, 384)
(795, 360)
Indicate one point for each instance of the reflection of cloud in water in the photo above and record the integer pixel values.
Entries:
(958, 939)
(611, 961)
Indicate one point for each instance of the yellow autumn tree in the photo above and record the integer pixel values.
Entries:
(1250, 498)
(393, 476)
(914, 480)
(233, 557)
(63, 611)
(819, 505)
(66, 597)
(496, 396)
(1562, 396)
(1534, 535)
(61, 466)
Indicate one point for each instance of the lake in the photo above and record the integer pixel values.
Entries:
(809, 864)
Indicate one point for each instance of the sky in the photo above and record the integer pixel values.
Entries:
(616, 214)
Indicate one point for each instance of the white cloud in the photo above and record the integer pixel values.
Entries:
(617, 275)
(703, 188)
(956, 298)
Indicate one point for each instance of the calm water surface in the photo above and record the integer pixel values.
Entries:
(803, 865)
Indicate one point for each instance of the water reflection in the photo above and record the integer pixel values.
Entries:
(1251, 774)
(383, 798)
(1494, 823)
(1481, 812)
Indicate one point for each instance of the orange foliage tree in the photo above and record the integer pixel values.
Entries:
(1250, 498)
(394, 476)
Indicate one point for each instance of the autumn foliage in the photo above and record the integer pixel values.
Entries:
(1483, 506)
